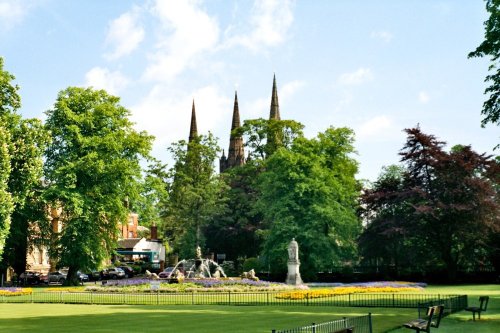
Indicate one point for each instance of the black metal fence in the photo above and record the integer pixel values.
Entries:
(361, 324)
(451, 304)
(394, 300)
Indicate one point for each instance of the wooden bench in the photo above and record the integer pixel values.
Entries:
(434, 315)
(483, 305)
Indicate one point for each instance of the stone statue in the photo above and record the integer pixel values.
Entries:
(250, 275)
(293, 251)
(293, 276)
(198, 252)
(219, 272)
(178, 274)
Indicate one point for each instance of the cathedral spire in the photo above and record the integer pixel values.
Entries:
(275, 108)
(236, 113)
(193, 131)
(236, 152)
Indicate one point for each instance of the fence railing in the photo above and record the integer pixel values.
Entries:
(393, 300)
(361, 324)
(451, 304)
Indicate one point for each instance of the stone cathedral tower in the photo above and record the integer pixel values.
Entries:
(236, 152)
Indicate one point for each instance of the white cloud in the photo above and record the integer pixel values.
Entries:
(385, 36)
(188, 31)
(270, 22)
(289, 89)
(102, 78)
(124, 34)
(13, 12)
(377, 126)
(361, 75)
(423, 97)
(258, 108)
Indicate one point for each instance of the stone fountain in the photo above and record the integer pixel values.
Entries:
(198, 268)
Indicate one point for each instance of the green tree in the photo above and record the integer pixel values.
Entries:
(10, 101)
(258, 131)
(386, 240)
(29, 225)
(237, 231)
(23, 142)
(6, 205)
(490, 47)
(92, 167)
(309, 193)
(151, 202)
(195, 194)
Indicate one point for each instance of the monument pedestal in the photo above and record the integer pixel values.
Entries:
(293, 276)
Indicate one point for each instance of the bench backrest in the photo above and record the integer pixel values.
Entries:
(430, 314)
(483, 302)
(438, 313)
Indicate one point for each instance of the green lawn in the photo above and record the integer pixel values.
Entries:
(461, 322)
(55, 318)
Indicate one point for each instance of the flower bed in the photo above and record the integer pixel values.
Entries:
(13, 291)
(191, 285)
(367, 287)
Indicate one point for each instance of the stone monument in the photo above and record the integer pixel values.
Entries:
(293, 276)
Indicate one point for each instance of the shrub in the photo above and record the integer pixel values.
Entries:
(228, 267)
(252, 263)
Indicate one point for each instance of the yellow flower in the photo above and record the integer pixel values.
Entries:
(319, 293)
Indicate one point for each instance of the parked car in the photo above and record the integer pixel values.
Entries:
(56, 277)
(166, 273)
(112, 273)
(129, 272)
(82, 277)
(30, 278)
(94, 275)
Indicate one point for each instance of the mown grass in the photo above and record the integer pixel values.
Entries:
(56, 318)
(75, 318)
(462, 322)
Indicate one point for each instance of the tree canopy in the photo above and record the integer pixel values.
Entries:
(309, 193)
(195, 194)
(263, 137)
(22, 144)
(490, 47)
(93, 168)
(444, 204)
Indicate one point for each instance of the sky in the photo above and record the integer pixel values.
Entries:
(376, 67)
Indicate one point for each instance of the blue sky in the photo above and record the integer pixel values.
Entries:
(374, 66)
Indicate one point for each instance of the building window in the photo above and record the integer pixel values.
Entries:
(131, 220)
(130, 234)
